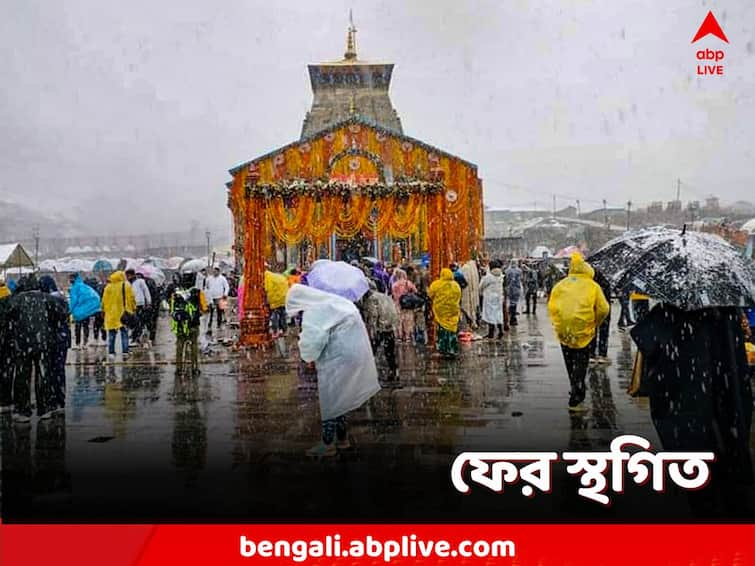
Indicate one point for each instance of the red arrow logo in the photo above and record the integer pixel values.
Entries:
(710, 26)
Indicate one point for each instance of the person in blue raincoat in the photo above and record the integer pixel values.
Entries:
(84, 304)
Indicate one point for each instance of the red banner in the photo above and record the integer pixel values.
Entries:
(187, 545)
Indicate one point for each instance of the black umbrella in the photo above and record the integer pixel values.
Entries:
(691, 270)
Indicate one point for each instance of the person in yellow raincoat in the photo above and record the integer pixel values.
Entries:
(117, 299)
(577, 308)
(276, 289)
(445, 293)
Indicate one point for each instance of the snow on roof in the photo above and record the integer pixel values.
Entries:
(749, 226)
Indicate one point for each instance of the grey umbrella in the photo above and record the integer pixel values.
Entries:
(691, 270)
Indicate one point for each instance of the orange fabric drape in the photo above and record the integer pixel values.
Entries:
(294, 229)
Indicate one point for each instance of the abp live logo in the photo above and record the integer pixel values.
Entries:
(710, 26)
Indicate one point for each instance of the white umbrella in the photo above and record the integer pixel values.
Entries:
(193, 265)
(339, 278)
(152, 272)
(174, 262)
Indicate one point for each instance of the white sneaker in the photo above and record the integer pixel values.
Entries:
(18, 418)
(47, 415)
(111, 358)
(6, 408)
(75, 347)
(59, 411)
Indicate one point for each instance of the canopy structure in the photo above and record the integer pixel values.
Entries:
(14, 256)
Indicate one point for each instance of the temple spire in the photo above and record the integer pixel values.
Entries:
(351, 41)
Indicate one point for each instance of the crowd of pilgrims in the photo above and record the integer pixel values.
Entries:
(39, 324)
(339, 339)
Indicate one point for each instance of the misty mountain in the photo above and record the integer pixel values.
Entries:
(18, 222)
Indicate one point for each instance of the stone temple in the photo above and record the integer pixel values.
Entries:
(347, 87)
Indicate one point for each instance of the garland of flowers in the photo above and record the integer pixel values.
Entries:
(381, 222)
(402, 188)
(405, 218)
(353, 216)
(290, 230)
(323, 220)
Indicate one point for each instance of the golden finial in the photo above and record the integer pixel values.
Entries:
(351, 40)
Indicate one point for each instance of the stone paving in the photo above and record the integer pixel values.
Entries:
(137, 442)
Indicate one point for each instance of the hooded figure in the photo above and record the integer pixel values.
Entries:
(445, 294)
(276, 289)
(381, 277)
(470, 295)
(55, 360)
(34, 341)
(334, 338)
(7, 355)
(491, 288)
(83, 299)
(577, 307)
(402, 286)
(4, 291)
(117, 299)
(380, 318)
(696, 376)
(513, 289)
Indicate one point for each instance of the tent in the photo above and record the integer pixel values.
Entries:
(14, 256)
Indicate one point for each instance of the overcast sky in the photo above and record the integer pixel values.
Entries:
(130, 113)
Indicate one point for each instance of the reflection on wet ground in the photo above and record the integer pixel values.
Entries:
(137, 442)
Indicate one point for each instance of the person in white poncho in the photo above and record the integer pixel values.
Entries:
(334, 338)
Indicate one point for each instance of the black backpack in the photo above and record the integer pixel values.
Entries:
(411, 301)
(379, 283)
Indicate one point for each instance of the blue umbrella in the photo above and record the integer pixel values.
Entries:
(102, 266)
(339, 278)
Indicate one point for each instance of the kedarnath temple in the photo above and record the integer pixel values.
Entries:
(352, 185)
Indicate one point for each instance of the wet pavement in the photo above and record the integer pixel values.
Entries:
(137, 443)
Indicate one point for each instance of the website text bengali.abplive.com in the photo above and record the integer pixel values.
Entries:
(407, 546)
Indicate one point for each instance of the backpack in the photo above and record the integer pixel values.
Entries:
(184, 313)
(460, 279)
(379, 283)
(411, 301)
